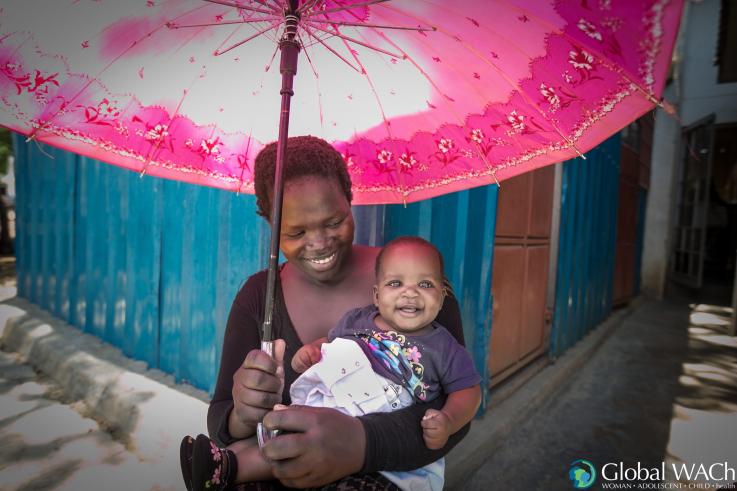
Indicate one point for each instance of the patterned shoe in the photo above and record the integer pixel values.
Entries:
(185, 460)
(211, 465)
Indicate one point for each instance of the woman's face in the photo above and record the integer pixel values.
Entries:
(317, 228)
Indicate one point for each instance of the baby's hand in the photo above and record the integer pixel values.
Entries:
(305, 357)
(435, 429)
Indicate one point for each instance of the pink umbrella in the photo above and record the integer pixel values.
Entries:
(453, 95)
(422, 97)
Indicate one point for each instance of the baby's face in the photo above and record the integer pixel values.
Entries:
(409, 290)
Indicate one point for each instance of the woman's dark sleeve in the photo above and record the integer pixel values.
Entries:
(241, 336)
(386, 452)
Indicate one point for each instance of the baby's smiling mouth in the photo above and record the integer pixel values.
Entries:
(409, 309)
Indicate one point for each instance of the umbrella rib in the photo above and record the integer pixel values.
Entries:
(317, 81)
(349, 7)
(157, 143)
(243, 168)
(239, 6)
(249, 38)
(33, 133)
(402, 189)
(305, 7)
(352, 40)
(273, 7)
(375, 26)
(273, 55)
(311, 34)
(224, 23)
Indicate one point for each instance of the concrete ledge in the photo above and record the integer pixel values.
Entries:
(489, 432)
(143, 408)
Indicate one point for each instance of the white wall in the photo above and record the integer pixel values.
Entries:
(701, 94)
(696, 94)
(661, 197)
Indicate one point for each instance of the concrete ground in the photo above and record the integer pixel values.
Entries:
(47, 444)
(661, 388)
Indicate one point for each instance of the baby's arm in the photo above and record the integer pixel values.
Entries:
(307, 355)
(459, 410)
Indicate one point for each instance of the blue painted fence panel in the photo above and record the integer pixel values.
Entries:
(588, 221)
(152, 266)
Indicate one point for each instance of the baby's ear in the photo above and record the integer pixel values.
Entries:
(376, 296)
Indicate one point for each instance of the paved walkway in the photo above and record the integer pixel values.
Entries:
(47, 444)
(662, 387)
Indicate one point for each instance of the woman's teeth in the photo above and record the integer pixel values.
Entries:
(323, 260)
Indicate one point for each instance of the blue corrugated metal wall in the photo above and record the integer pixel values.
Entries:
(588, 227)
(152, 266)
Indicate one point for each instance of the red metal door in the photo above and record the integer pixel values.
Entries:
(520, 272)
(634, 175)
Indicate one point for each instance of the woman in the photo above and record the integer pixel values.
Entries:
(324, 276)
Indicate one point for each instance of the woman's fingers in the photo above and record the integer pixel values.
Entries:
(260, 360)
(284, 448)
(324, 445)
(257, 384)
(295, 419)
(258, 398)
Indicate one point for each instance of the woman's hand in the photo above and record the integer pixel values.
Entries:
(322, 446)
(257, 387)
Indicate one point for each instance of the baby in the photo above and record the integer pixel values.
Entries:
(378, 358)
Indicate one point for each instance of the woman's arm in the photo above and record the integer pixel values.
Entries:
(249, 381)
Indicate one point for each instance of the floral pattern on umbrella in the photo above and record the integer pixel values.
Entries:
(468, 94)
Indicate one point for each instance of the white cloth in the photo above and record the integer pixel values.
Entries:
(344, 380)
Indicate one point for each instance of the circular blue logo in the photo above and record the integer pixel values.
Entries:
(582, 474)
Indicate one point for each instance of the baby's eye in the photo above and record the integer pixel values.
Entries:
(426, 284)
(294, 235)
(335, 224)
(394, 283)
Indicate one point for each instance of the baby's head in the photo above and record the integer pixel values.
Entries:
(409, 288)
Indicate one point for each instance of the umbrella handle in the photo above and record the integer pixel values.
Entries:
(268, 347)
(262, 434)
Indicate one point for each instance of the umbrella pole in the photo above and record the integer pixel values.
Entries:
(288, 68)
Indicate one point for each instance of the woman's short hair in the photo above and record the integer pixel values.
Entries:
(306, 156)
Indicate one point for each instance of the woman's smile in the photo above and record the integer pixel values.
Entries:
(324, 262)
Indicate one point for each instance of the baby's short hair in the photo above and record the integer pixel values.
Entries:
(408, 240)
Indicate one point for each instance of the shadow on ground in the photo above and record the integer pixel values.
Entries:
(629, 402)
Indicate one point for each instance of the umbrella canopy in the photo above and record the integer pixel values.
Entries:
(422, 97)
